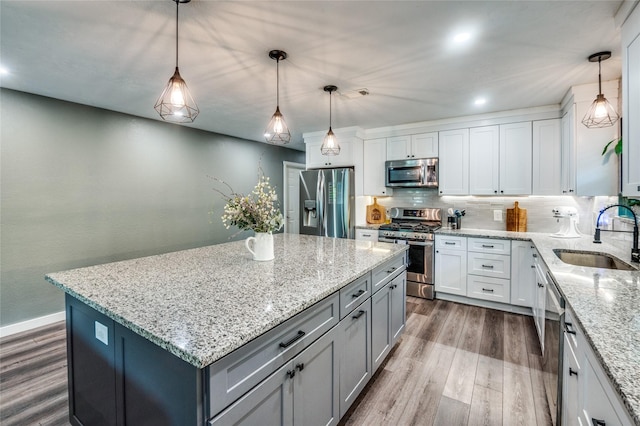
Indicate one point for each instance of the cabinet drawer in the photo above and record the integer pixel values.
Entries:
(354, 294)
(488, 288)
(490, 245)
(232, 376)
(381, 275)
(367, 234)
(451, 243)
(489, 265)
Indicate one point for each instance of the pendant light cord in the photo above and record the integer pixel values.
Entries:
(599, 75)
(330, 93)
(278, 82)
(177, 8)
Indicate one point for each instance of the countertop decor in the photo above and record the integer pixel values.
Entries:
(202, 304)
(605, 302)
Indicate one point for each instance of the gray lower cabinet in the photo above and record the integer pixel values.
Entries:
(388, 314)
(302, 392)
(355, 354)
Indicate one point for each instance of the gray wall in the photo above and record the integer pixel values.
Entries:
(82, 186)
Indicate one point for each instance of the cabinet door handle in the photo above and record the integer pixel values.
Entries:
(293, 340)
(596, 422)
(540, 285)
(487, 245)
(490, 290)
(358, 294)
(568, 328)
(572, 372)
(300, 366)
(488, 266)
(291, 374)
(358, 315)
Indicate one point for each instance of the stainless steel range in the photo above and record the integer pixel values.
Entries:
(415, 226)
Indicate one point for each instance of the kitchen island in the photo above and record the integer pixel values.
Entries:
(162, 324)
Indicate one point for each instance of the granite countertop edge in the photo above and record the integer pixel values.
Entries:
(567, 277)
(229, 343)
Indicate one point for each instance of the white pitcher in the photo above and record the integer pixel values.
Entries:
(261, 246)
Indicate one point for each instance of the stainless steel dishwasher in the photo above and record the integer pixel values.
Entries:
(553, 349)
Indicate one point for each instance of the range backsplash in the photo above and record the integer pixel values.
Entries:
(479, 210)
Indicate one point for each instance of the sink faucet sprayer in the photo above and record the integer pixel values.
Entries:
(635, 252)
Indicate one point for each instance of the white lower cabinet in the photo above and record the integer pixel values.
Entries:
(355, 354)
(451, 265)
(367, 234)
(302, 392)
(523, 274)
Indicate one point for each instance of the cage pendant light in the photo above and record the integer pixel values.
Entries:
(176, 103)
(277, 131)
(601, 113)
(330, 144)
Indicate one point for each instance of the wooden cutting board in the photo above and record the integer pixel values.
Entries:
(376, 213)
(517, 219)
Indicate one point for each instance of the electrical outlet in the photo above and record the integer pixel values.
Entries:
(102, 333)
(497, 215)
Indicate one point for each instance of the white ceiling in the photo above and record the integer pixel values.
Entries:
(119, 55)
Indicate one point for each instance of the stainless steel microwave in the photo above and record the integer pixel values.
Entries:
(418, 173)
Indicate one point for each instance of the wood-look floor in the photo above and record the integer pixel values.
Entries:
(457, 365)
(454, 365)
(33, 377)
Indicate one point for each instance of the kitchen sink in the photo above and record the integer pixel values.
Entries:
(592, 259)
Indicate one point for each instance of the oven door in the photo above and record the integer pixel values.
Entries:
(420, 264)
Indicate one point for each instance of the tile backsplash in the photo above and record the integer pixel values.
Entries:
(480, 210)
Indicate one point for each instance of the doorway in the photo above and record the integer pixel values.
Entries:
(291, 194)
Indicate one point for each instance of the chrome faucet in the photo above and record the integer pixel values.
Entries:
(635, 252)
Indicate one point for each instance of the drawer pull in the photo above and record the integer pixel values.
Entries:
(596, 422)
(572, 372)
(488, 266)
(490, 290)
(449, 243)
(358, 294)
(487, 246)
(358, 315)
(535, 255)
(293, 340)
(291, 374)
(392, 269)
(300, 366)
(568, 327)
(540, 285)
(366, 235)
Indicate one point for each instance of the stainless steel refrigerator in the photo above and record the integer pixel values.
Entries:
(327, 198)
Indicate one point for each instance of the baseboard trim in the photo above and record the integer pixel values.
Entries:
(19, 327)
(485, 303)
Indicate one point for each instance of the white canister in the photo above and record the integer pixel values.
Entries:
(261, 246)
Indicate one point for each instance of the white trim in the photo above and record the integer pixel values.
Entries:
(285, 167)
(19, 327)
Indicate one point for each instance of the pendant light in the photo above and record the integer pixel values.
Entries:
(277, 131)
(176, 103)
(601, 113)
(330, 144)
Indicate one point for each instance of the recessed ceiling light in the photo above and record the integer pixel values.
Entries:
(480, 101)
(462, 37)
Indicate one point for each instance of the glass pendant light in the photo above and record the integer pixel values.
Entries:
(176, 103)
(277, 131)
(601, 113)
(330, 144)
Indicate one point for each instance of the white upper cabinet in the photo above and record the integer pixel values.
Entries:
(453, 147)
(424, 145)
(547, 157)
(375, 154)
(631, 104)
(500, 159)
(515, 158)
(568, 169)
(484, 158)
(316, 160)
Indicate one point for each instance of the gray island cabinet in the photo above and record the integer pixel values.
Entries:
(208, 336)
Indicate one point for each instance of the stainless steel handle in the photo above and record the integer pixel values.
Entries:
(420, 243)
(358, 315)
(358, 294)
(292, 340)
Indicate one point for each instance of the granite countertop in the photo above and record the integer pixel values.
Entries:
(203, 303)
(605, 302)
